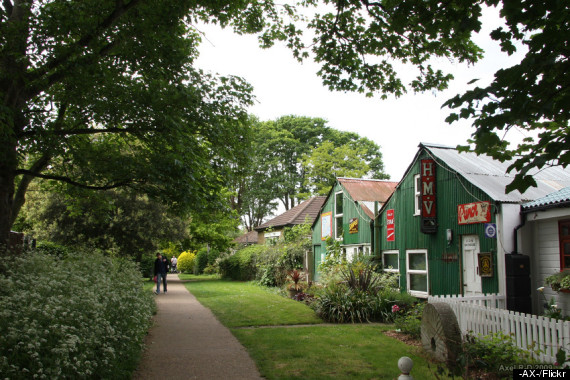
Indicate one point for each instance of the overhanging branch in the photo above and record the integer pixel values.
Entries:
(86, 131)
(75, 183)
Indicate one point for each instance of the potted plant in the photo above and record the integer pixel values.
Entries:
(295, 286)
(559, 282)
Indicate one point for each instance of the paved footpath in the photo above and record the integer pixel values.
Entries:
(188, 342)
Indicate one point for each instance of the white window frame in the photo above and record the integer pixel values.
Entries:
(416, 293)
(338, 216)
(417, 194)
(272, 237)
(391, 252)
(356, 250)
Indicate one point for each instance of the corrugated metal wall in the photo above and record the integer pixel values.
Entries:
(351, 210)
(444, 260)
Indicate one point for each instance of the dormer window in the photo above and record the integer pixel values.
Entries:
(338, 201)
(417, 194)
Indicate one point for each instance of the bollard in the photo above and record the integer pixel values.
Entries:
(405, 365)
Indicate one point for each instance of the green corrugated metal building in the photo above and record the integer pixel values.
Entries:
(448, 225)
(347, 215)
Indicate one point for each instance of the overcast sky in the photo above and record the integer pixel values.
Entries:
(285, 87)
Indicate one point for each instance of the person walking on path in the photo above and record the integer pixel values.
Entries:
(159, 272)
(166, 267)
(173, 262)
(188, 342)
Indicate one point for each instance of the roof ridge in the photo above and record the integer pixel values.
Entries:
(308, 203)
(366, 179)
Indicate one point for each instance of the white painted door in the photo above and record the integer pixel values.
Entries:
(471, 278)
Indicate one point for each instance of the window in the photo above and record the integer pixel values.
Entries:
(338, 200)
(417, 194)
(417, 273)
(391, 261)
(272, 237)
(564, 236)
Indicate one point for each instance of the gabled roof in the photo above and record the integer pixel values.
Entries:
(491, 175)
(297, 214)
(368, 191)
(247, 238)
(560, 198)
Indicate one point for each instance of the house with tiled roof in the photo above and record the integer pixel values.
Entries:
(347, 216)
(544, 235)
(247, 238)
(305, 211)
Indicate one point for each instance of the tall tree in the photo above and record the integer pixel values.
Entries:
(284, 162)
(102, 94)
(326, 162)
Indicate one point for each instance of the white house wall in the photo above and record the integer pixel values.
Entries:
(507, 220)
(539, 239)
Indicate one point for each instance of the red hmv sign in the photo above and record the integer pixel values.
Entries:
(428, 197)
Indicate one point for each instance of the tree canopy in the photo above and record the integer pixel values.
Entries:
(102, 94)
(295, 157)
(359, 43)
(128, 225)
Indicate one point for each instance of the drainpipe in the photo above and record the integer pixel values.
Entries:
(376, 231)
(517, 228)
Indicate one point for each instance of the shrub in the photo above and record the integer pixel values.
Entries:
(52, 249)
(339, 304)
(80, 317)
(186, 262)
(491, 352)
(408, 318)
(270, 268)
(147, 264)
(201, 260)
(360, 279)
(241, 265)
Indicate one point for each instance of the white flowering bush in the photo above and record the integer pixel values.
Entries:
(80, 317)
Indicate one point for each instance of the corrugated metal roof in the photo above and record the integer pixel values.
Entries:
(491, 175)
(368, 189)
(297, 214)
(556, 199)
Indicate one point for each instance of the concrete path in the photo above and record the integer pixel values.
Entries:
(188, 342)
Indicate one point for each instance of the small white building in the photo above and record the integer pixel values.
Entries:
(545, 237)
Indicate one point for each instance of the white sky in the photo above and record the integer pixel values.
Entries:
(285, 87)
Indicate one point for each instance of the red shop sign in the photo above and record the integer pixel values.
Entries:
(390, 226)
(477, 212)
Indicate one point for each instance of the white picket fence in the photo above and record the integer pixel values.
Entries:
(530, 332)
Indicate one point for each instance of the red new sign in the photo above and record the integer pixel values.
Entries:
(477, 212)
(390, 226)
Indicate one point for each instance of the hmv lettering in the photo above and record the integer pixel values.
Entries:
(428, 196)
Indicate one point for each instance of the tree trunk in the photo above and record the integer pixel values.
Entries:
(7, 164)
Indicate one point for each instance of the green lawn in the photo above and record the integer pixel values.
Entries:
(239, 304)
(284, 347)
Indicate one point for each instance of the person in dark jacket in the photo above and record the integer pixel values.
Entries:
(159, 272)
(166, 267)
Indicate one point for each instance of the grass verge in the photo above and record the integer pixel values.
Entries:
(238, 304)
(298, 351)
